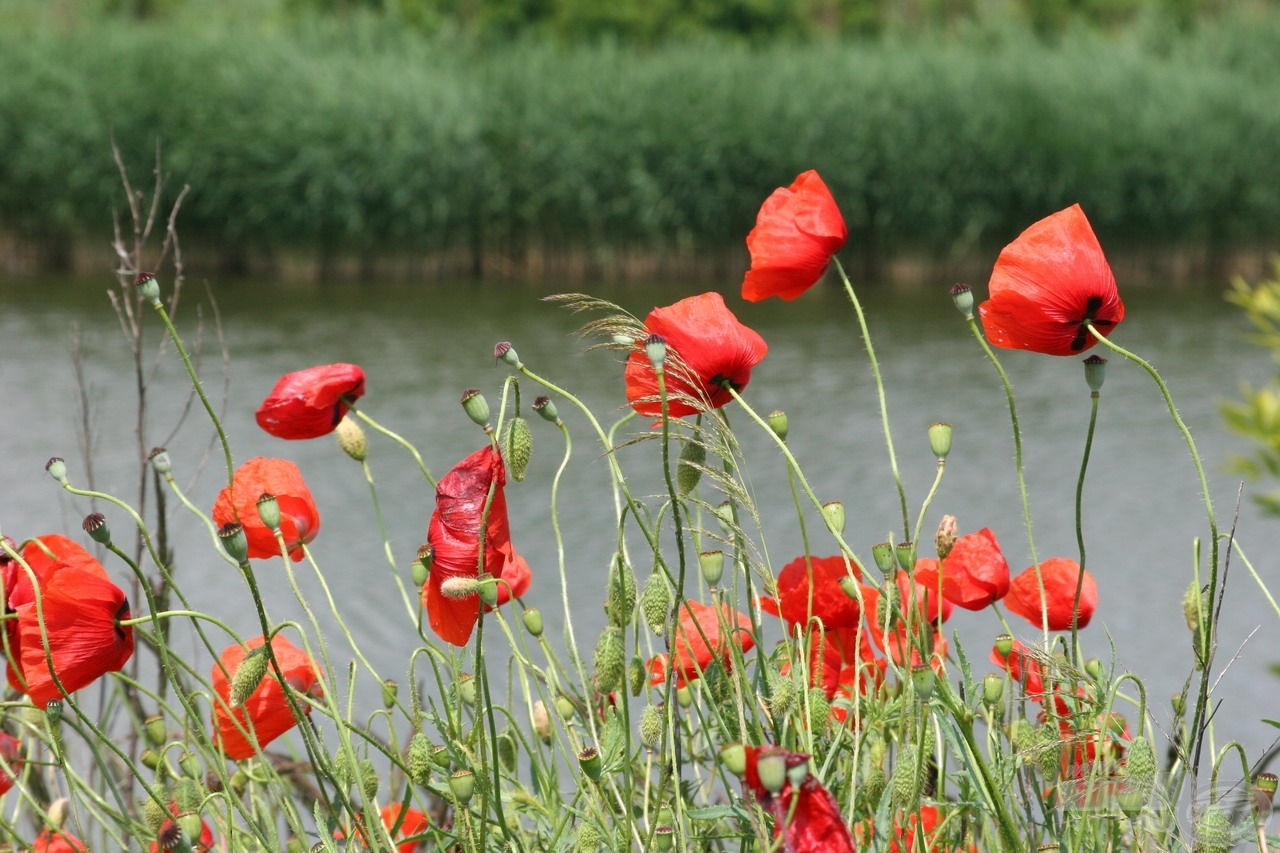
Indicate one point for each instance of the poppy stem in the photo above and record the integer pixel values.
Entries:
(1084, 466)
(398, 439)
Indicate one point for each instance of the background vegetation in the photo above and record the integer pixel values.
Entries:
(487, 135)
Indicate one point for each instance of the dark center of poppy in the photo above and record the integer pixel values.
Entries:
(722, 381)
(122, 612)
(1091, 308)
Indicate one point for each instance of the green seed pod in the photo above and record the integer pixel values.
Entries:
(419, 760)
(269, 510)
(476, 407)
(610, 660)
(882, 553)
(462, 784)
(565, 708)
(590, 762)
(651, 727)
(711, 565)
(655, 602)
(248, 675)
(468, 690)
(779, 423)
(95, 524)
(620, 601)
(834, 513)
(771, 767)
(57, 469)
(1095, 372)
(518, 447)
(693, 456)
(234, 541)
(940, 439)
(962, 296)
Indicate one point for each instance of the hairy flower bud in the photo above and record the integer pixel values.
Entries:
(518, 447)
(655, 602)
(419, 759)
(651, 727)
(610, 660)
(351, 438)
(248, 676)
(693, 456)
(620, 599)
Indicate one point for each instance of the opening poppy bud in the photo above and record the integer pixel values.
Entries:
(833, 511)
(351, 438)
(882, 553)
(655, 602)
(487, 589)
(992, 690)
(772, 770)
(234, 541)
(1093, 668)
(684, 696)
(503, 351)
(459, 588)
(589, 761)
(476, 407)
(541, 721)
(1095, 372)
(546, 409)
(689, 470)
(248, 676)
(906, 553)
(923, 681)
(1004, 645)
(778, 422)
(159, 458)
(940, 439)
(533, 621)
(655, 347)
(147, 286)
(651, 728)
(390, 692)
(467, 690)
(518, 448)
(419, 760)
(564, 708)
(95, 524)
(610, 660)
(962, 296)
(57, 469)
(462, 784)
(153, 730)
(945, 538)
(269, 511)
(711, 564)
(636, 675)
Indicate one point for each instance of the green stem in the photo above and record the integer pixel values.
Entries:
(1084, 466)
(398, 439)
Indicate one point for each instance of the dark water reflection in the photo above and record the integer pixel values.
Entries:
(421, 346)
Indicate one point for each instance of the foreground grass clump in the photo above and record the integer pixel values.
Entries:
(728, 702)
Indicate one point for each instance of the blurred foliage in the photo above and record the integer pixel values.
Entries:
(1257, 414)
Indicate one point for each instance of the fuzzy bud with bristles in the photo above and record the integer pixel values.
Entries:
(620, 598)
(95, 524)
(610, 660)
(945, 538)
(504, 352)
(779, 423)
(518, 448)
(419, 761)
(187, 795)
(655, 602)
(693, 456)
(351, 438)
(248, 676)
(962, 296)
(546, 409)
(368, 779)
(637, 675)
(651, 727)
(476, 407)
(908, 777)
(1213, 833)
(154, 813)
(459, 588)
(1139, 773)
(233, 540)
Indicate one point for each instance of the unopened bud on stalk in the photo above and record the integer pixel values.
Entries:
(269, 511)
(1214, 831)
(684, 696)
(589, 761)
(487, 589)
(503, 351)
(541, 721)
(882, 553)
(923, 681)
(779, 423)
(610, 660)
(693, 455)
(190, 765)
(1093, 668)
(468, 692)
(351, 438)
(772, 770)
(833, 511)
(711, 564)
(962, 296)
(849, 586)
(564, 708)
(518, 448)
(992, 690)
(620, 597)
(462, 784)
(153, 730)
(368, 779)
(940, 439)
(507, 750)
(532, 619)
(150, 759)
(546, 409)
(476, 407)
(159, 459)
(636, 675)
(419, 760)
(154, 813)
(651, 727)
(248, 676)
(95, 524)
(655, 347)
(945, 539)
(655, 602)
(906, 554)
(1095, 372)
(233, 540)
(459, 588)
(57, 469)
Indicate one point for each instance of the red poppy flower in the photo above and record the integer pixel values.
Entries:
(60, 841)
(11, 753)
(1023, 667)
(412, 824)
(797, 231)
(700, 640)
(913, 639)
(924, 821)
(707, 349)
(168, 827)
(1047, 283)
(457, 524)
(76, 609)
(974, 574)
(1060, 578)
(805, 817)
(809, 587)
(299, 518)
(309, 403)
(266, 714)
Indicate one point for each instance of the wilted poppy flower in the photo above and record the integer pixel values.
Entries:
(60, 841)
(168, 833)
(82, 611)
(700, 640)
(1047, 283)
(973, 575)
(1060, 578)
(806, 817)
(797, 231)
(309, 403)
(707, 349)
(457, 525)
(401, 823)
(11, 753)
(266, 714)
(299, 518)
(809, 587)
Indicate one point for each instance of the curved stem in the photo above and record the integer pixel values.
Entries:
(1084, 466)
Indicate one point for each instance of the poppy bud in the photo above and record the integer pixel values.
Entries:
(906, 553)
(620, 600)
(542, 721)
(476, 407)
(95, 524)
(154, 814)
(487, 589)
(610, 660)
(1095, 372)
(908, 777)
(467, 691)
(962, 296)
(684, 696)
(190, 765)
(711, 564)
(1004, 645)
(459, 588)
(887, 611)
(368, 779)
(234, 541)
(1139, 772)
(1093, 668)
(462, 784)
(546, 409)
(655, 602)
(159, 458)
(390, 692)
(148, 288)
(507, 750)
(518, 447)
(834, 514)
(503, 351)
(945, 539)
(689, 470)
(655, 347)
(150, 759)
(351, 438)
(248, 676)
(56, 814)
(783, 697)
(992, 690)
(153, 730)
(651, 727)
(533, 621)
(882, 553)
(778, 422)
(419, 760)
(1214, 831)
(923, 681)
(269, 511)
(57, 469)
(589, 761)
(636, 675)
(940, 439)
(1194, 604)
(772, 770)
(564, 708)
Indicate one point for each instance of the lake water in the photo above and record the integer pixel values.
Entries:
(422, 345)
